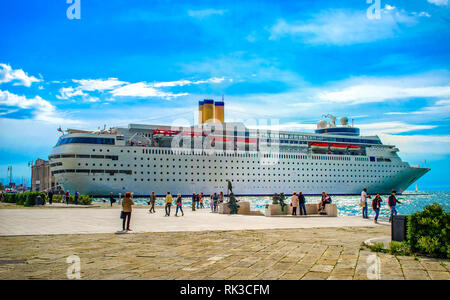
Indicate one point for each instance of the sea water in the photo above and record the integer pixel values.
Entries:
(411, 202)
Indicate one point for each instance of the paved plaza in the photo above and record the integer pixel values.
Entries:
(42, 221)
(200, 245)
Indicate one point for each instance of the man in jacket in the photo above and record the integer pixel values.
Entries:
(392, 202)
(301, 202)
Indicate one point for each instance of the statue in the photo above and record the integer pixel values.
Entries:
(283, 205)
(230, 187)
(232, 204)
(275, 199)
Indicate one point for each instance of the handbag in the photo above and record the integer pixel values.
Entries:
(122, 215)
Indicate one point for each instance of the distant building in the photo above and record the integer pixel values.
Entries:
(41, 176)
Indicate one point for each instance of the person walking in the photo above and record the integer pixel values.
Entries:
(67, 196)
(198, 201)
(301, 203)
(194, 199)
(294, 203)
(215, 201)
(168, 204)
(363, 203)
(179, 205)
(76, 196)
(211, 202)
(50, 196)
(152, 202)
(127, 204)
(112, 200)
(392, 202)
(201, 201)
(221, 197)
(376, 205)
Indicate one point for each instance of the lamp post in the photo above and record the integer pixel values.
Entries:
(30, 165)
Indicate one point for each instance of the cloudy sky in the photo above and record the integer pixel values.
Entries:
(151, 61)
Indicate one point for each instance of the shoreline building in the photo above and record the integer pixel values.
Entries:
(41, 176)
(201, 158)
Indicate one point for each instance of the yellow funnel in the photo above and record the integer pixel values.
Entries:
(219, 112)
(201, 115)
(208, 110)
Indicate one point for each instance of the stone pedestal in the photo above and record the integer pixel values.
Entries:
(244, 208)
(311, 209)
(275, 210)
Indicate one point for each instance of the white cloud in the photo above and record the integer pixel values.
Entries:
(338, 27)
(424, 14)
(373, 93)
(391, 128)
(441, 107)
(142, 89)
(419, 144)
(43, 110)
(389, 7)
(7, 112)
(204, 13)
(439, 2)
(99, 84)
(379, 89)
(69, 92)
(126, 89)
(19, 77)
(91, 99)
(187, 82)
(10, 99)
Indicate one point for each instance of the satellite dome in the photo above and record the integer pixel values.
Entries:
(344, 121)
(322, 124)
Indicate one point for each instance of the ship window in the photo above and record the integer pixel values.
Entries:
(85, 140)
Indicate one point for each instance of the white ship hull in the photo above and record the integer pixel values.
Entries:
(251, 174)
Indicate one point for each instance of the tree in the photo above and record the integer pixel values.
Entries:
(1, 186)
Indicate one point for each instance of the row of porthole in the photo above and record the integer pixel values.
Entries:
(254, 174)
(237, 180)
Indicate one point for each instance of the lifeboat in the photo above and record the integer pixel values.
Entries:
(354, 148)
(319, 146)
(338, 147)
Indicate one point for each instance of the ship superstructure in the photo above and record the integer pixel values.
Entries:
(201, 158)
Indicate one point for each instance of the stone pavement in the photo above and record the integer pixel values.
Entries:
(44, 221)
(301, 253)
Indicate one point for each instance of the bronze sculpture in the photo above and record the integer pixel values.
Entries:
(232, 204)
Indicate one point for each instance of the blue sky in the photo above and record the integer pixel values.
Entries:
(151, 61)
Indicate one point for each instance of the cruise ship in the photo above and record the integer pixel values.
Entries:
(201, 158)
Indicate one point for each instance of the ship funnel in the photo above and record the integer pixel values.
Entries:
(201, 114)
(208, 111)
(219, 112)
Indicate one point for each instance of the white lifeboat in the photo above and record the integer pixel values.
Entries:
(319, 146)
(338, 147)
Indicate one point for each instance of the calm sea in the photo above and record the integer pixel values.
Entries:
(347, 205)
